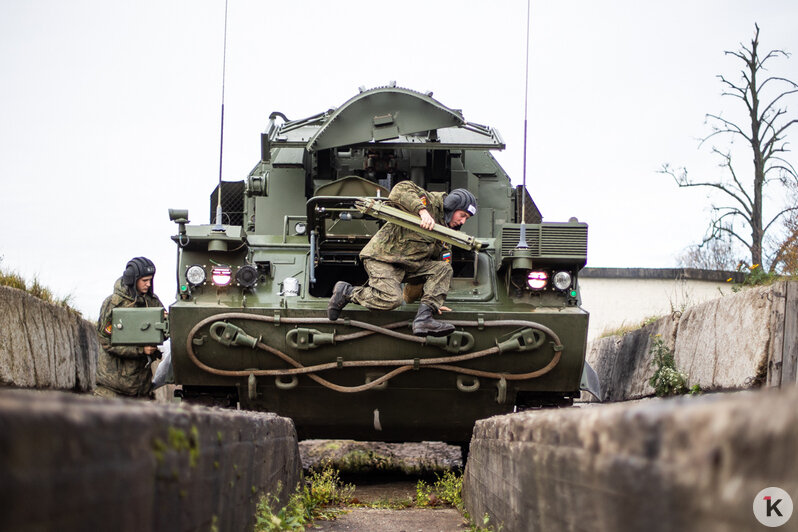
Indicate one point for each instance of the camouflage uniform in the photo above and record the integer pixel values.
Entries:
(122, 370)
(395, 255)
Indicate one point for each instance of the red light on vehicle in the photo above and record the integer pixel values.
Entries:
(221, 276)
(537, 280)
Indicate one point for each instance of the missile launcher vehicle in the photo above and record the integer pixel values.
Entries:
(249, 324)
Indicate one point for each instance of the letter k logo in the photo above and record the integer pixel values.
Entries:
(772, 506)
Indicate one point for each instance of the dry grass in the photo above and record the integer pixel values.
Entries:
(626, 329)
(34, 288)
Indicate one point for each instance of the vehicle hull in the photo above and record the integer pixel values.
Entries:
(421, 402)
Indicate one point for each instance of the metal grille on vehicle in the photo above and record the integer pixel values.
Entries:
(232, 203)
(548, 240)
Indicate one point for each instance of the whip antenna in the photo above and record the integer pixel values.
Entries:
(522, 193)
(218, 226)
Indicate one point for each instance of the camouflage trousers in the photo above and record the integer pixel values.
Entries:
(384, 288)
(129, 376)
(102, 391)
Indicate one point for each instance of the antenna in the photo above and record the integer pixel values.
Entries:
(522, 193)
(218, 226)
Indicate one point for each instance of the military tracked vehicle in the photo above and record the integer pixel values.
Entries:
(249, 325)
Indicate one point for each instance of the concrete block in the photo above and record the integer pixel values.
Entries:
(75, 462)
(623, 363)
(44, 345)
(723, 344)
(782, 364)
(687, 463)
(790, 353)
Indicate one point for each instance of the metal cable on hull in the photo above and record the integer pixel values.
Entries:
(441, 363)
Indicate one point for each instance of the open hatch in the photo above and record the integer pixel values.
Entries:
(338, 231)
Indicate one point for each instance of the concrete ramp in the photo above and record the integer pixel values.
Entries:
(70, 462)
(689, 463)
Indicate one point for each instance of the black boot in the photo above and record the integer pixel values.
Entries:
(426, 325)
(342, 293)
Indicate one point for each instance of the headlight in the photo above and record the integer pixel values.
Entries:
(221, 276)
(536, 280)
(300, 228)
(195, 275)
(247, 276)
(562, 280)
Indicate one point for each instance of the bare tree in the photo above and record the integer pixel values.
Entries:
(768, 127)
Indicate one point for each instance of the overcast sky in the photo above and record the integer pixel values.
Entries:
(110, 110)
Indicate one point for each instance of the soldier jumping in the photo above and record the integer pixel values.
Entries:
(396, 254)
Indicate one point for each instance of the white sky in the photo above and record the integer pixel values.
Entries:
(110, 110)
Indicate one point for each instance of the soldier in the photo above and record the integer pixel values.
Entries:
(396, 254)
(124, 371)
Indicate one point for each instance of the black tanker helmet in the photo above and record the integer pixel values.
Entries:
(135, 269)
(459, 199)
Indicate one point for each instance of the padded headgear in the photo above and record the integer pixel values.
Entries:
(459, 199)
(137, 268)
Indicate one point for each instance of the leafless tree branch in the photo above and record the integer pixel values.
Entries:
(682, 182)
(731, 127)
(779, 215)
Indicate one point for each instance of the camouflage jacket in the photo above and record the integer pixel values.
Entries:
(397, 245)
(124, 369)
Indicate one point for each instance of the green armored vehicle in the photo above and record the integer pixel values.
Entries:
(250, 325)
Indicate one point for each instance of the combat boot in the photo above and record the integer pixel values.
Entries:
(426, 325)
(342, 294)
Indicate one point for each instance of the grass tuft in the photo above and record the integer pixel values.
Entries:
(35, 288)
(322, 492)
(446, 489)
(667, 379)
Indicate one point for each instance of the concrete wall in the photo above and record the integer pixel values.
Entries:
(43, 345)
(624, 297)
(75, 463)
(623, 363)
(738, 341)
(689, 463)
